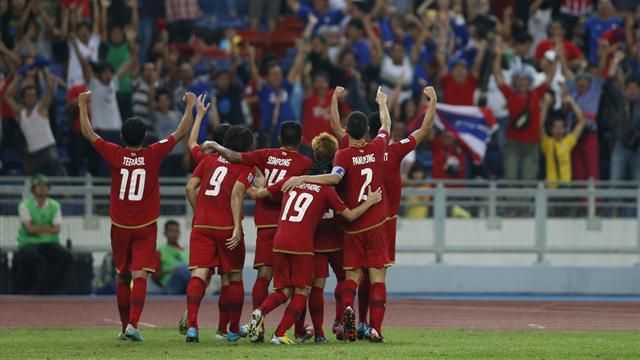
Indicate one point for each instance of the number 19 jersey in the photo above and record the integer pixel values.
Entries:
(135, 191)
(217, 179)
(361, 168)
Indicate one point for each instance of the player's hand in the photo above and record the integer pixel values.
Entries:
(209, 147)
(292, 183)
(260, 181)
(235, 239)
(374, 197)
(430, 93)
(381, 97)
(190, 98)
(84, 97)
(202, 105)
(338, 92)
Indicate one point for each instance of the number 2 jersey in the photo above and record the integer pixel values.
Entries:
(302, 209)
(361, 168)
(217, 179)
(275, 165)
(135, 191)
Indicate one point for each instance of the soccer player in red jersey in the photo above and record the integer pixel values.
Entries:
(216, 237)
(275, 165)
(134, 205)
(293, 248)
(365, 246)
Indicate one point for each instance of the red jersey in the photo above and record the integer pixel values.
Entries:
(344, 142)
(361, 168)
(275, 165)
(328, 237)
(571, 51)
(218, 176)
(197, 155)
(456, 93)
(302, 210)
(135, 192)
(516, 104)
(392, 179)
(316, 112)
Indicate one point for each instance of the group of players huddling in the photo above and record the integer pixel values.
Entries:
(298, 231)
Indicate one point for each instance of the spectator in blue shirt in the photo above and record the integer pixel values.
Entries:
(274, 93)
(320, 9)
(604, 20)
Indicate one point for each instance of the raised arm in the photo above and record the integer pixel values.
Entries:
(10, 97)
(377, 51)
(372, 199)
(45, 102)
(294, 5)
(85, 125)
(385, 118)
(231, 156)
(580, 125)
(192, 141)
(336, 125)
(253, 68)
(298, 63)
(497, 62)
(187, 118)
(192, 191)
(135, 18)
(477, 61)
(214, 116)
(12, 58)
(237, 200)
(100, 21)
(429, 117)
(324, 179)
(547, 103)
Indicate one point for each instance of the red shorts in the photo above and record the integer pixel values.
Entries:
(392, 228)
(264, 247)
(292, 270)
(207, 249)
(367, 249)
(134, 249)
(322, 260)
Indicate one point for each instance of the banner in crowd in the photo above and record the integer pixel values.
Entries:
(472, 126)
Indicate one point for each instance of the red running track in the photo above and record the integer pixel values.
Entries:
(20, 311)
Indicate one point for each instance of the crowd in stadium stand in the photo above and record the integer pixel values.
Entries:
(561, 77)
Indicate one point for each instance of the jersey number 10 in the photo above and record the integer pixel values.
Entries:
(136, 184)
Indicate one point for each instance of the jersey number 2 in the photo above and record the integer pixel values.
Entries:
(300, 206)
(136, 184)
(368, 176)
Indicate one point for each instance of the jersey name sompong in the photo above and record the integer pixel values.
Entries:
(310, 187)
(127, 161)
(223, 160)
(272, 160)
(365, 159)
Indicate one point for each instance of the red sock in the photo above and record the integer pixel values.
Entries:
(195, 293)
(299, 329)
(260, 291)
(316, 309)
(348, 293)
(223, 309)
(293, 311)
(136, 300)
(274, 300)
(337, 294)
(236, 300)
(123, 292)
(363, 298)
(378, 305)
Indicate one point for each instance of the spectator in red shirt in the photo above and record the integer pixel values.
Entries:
(458, 83)
(521, 151)
(557, 33)
(317, 108)
(449, 159)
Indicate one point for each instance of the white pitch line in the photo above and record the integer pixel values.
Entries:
(149, 325)
(536, 326)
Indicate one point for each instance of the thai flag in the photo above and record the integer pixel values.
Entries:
(472, 126)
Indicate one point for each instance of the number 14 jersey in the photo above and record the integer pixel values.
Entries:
(135, 191)
(361, 168)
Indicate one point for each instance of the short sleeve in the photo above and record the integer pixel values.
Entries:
(276, 189)
(382, 139)
(570, 141)
(405, 146)
(107, 150)
(24, 213)
(199, 171)
(334, 200)
(254, 158)
(197, 155)
(163, 147)
(245, 176)
(540, 90)
(340, 164)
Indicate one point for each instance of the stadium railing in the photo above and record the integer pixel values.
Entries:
(606, 211)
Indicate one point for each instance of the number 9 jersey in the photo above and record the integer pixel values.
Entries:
(361, 168)
(135, 191)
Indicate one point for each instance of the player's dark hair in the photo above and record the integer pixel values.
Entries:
(162, 92)
(357, 125)
(374, 124)
(290, 133)
(133, 131)
(238, 138)
(170, 223)
(219, 132)
(324, 148)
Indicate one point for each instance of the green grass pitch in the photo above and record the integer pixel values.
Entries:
(166, 343)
